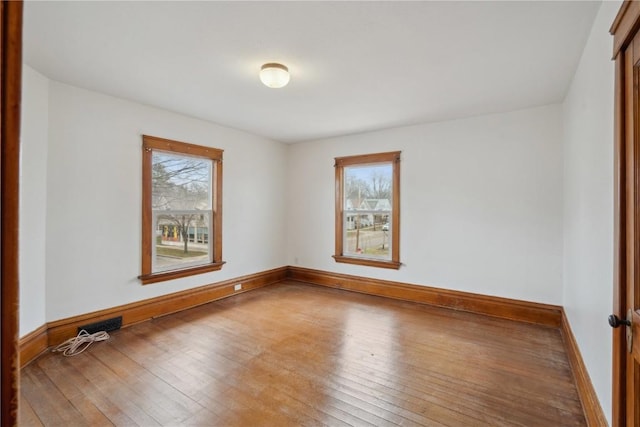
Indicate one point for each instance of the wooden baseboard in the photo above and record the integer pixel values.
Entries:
(523, 311)
(140, 311)
(542, 314)
(590, 404)
(32, 345)
(53, 333)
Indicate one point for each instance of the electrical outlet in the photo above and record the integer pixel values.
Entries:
(237, 287)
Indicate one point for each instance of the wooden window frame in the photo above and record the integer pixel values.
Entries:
(367, 159)
(150, 143)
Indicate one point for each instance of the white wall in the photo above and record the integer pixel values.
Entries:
(33, 199)
(588, 203)
(93, 221)
(481, 204)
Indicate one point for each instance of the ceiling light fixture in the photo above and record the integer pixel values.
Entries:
(274, 75)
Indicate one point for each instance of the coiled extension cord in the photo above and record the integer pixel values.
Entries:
(80, 343)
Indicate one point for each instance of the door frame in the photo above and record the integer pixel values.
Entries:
(624, 28)
(10, 94)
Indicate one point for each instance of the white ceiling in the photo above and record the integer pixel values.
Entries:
(355, 66)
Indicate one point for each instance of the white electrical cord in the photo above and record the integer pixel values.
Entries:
(80, 343)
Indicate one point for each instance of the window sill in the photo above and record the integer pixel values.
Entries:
(395, 265)
(176, 274)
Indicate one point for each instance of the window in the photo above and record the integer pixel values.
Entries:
(181, 209)
(368, 210)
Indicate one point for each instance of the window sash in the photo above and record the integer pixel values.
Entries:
(371, 239)
(342, 252)
(177, 157)
(156, 267)
(149, 145)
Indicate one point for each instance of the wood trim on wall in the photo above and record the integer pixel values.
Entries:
(57, 331)
(618, 383)
(523, 311)
(60, 330)
(53, 333)
(624, 25)
(593, 412)
(393, 158)
(150, 143)
(10, 94)
(623, 29)
(33, 345)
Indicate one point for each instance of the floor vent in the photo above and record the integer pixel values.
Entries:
(103, 325)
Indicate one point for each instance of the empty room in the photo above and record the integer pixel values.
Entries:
(320, 213)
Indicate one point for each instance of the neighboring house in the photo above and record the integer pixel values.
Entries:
(367, 218)
(352, 215)
(173, 207)
(381, 208)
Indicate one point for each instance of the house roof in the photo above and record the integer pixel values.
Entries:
(376, 204)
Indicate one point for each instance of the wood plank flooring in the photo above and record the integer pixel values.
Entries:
(293, 354)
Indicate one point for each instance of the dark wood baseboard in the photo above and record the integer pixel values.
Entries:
(523, 311)
(140, 311)
(590, 404)
(32, 345)
(542, 314)
(296, 354)
(53, 333)
(57, 331)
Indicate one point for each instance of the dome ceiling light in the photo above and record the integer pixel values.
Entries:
(274, 75)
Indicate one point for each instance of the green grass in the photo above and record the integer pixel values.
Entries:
(178, 252)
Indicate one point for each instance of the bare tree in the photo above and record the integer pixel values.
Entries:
(356, 189)
(180, 183)
(380, 184)
(377, 186)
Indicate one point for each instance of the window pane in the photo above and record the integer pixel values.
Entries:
(367, 210)
(367, 185)
(367, 235)
(181, 182)
(181, 240)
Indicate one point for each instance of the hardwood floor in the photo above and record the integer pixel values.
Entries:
(294, 354)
